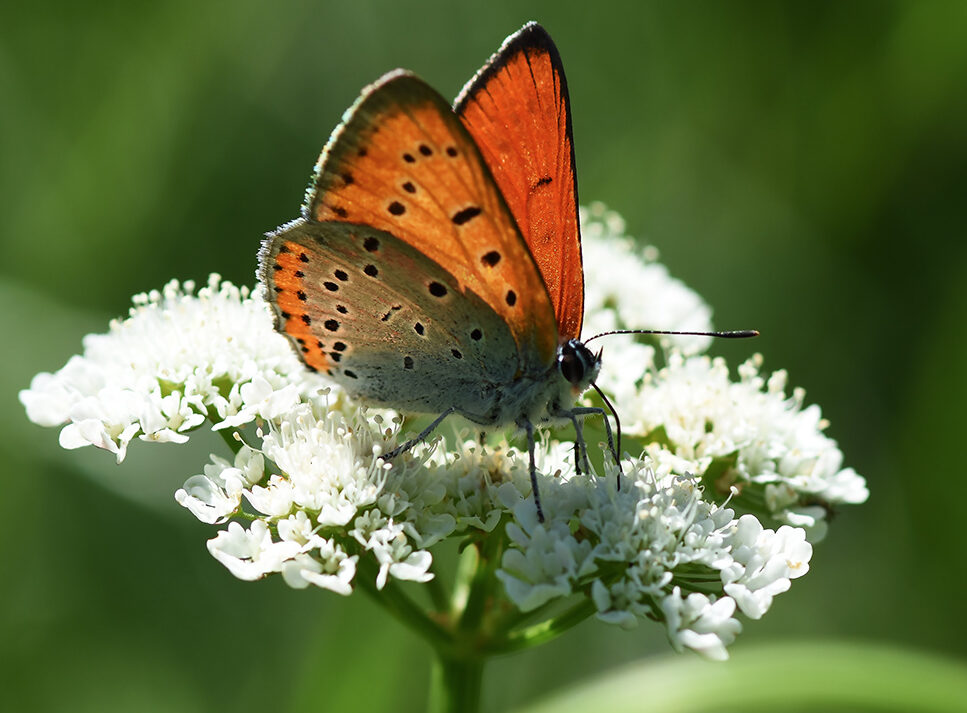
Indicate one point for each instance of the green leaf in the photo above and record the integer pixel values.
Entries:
(817, 675)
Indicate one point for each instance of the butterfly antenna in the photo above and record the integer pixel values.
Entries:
(617, 424)
(735, 334)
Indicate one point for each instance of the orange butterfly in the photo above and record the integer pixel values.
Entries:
(437, 265)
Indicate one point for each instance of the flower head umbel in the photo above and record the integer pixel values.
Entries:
(709, 514)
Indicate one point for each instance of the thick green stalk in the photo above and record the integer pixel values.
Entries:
(455, 684)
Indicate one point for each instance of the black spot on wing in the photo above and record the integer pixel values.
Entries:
(463, 216)
(490, 259)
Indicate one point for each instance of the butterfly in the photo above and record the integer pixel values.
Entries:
(437, 267)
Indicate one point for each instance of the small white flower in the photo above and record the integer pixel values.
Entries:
(544, 561)
(700, 623)
(216, 496)
(763, 563)
(304, 570)
(250, 554)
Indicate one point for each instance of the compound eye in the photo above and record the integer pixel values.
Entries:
(572, 367)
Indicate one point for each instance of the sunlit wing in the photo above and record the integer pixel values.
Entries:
(518, 112)
(402, 162)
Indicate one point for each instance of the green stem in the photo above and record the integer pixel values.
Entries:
(542, 632)
(455, 684)
(484, 580)
(397, 603)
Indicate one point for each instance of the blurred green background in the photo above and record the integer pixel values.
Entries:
(802, 165)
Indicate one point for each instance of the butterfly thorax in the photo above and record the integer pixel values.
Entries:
(550, 395)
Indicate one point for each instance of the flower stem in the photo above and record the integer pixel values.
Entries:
(544, 631)
(455, 684)
(397, 603)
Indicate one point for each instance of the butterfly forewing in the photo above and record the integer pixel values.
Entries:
(386, 321)
(518, 112)
(403, 163)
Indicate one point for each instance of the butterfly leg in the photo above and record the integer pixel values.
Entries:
(580, 445)
(588, 410)
(420, 438)
(529, 429)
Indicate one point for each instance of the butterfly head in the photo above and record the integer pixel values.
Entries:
(577, 364)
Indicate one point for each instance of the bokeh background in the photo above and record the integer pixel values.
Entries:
(802, 165)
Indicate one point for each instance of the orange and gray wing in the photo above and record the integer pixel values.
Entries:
(402, 162)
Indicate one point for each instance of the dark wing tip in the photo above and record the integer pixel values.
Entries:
(531, 36)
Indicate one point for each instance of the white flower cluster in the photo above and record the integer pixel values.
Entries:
(177, 359)
(331, 494)
(747, 435)
(308, 496)
(635, 549)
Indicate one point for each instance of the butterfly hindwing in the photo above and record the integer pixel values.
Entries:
(518, 111)
(384, 320)
(403, 163)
